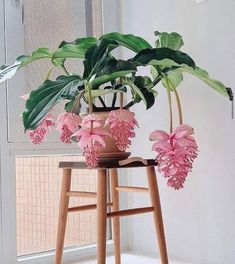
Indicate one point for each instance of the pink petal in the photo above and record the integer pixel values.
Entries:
(159, 135)
(91, 120)
(163, 145)
(98, 139)
(181, 131)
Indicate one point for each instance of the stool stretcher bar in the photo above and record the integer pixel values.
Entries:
(82, 194)
(86, 207)
(134, 211)
(132, 189)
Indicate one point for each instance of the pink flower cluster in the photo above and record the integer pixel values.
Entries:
(67, 124)
(122, 123)
(176, 153)
(89, 131)
(91, 137)
(38, 135)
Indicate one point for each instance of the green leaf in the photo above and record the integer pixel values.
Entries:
(174, 77)
(41, 53)
(169, 40)
(204, 76)
(162, 56)
(75, 49)
(97, 57)
(8, 71)
(140, 92)
(154, 72)
(46, 96)
(143, 81)
(113, 70)
(129, 41)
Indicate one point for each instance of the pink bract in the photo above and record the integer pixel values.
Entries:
(67, 124)
(88, 137)
(122, 123)
(38, 135)
(91, 120)
(91, 137)
(176, 153)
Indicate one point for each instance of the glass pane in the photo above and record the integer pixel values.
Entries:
(42, 24)
(46, 24)
(38, 181)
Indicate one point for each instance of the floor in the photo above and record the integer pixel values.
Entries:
(128, 258)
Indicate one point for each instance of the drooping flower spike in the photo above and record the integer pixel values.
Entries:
(38, 135)
(68, 124)
(91, 137)
(122, 123)
(175, 153)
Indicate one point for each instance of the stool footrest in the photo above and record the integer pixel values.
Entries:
(131, 189)
(81, 194)
(86, 207)
(134, 211)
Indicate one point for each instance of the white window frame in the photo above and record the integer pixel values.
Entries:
(8, 151)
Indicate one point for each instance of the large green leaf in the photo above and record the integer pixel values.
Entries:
(129, 41)
(174, 79)
(75, 49)
(97, 56)
(162, 56)
(113, 70)
(139, 91)
(204, 76)
(46, 96)
(41, 53)
(8, 71)
(169, 40)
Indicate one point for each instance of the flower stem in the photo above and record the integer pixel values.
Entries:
(170, 103)
(177, 102)
(88, 91)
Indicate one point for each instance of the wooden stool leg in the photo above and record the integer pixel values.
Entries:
(155, 199)
(101, 215)
(115, 220)
(63, 213)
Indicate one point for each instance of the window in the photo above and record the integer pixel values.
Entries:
(38, 181)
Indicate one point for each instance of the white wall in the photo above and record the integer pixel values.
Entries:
(199, 220)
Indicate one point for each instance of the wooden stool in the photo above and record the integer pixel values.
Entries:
(102, 205)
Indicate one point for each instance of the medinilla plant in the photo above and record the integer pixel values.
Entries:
(104, 73)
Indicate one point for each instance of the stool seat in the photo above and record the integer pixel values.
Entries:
(107, 169)
(127, 163)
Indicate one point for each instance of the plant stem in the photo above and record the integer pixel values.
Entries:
(130, 104)
(102, 101)
(88, 91)
(114, 99)
(170, 103)
(177, 102)
(157, 80)
(77, 103)
(65, 70)
(49, 72)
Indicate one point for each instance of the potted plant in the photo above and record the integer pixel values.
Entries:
(104, 74)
